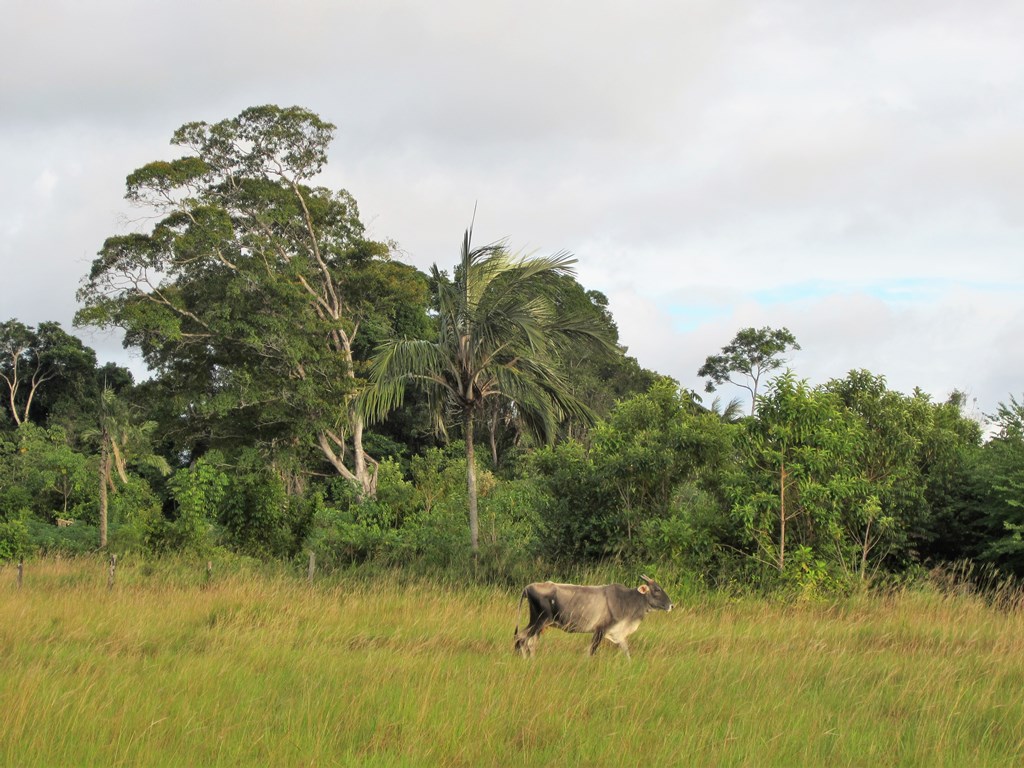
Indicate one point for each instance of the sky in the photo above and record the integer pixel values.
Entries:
(851, 171)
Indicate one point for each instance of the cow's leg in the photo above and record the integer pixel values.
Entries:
(524, 644)
(625, 648)
(596, 641)
(540, 617)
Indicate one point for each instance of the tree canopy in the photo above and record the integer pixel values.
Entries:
(747, 359)
(252, 289)
(312, 393)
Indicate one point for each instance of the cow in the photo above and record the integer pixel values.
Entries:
(612, 611)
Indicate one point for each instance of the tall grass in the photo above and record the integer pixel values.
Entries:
(259, 668)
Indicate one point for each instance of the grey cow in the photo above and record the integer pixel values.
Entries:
(612, 611)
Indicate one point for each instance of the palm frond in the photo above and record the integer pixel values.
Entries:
(394, 365)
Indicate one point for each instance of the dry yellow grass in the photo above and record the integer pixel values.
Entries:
(262, 669)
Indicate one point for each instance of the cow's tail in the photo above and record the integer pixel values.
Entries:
(519, 610)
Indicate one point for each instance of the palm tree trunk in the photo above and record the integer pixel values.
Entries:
(104, 481)
(474, 522)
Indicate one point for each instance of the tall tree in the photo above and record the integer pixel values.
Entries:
(500, 338)
(251, 290)
(34, 361)
(745, 360)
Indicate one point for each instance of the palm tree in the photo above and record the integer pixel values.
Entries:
(731, 412)
(119, 440)
(499, 339)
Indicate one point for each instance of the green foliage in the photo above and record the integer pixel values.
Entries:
(198, 492)
(801, 475)
(44, 473)
(77, 539)
(339, 538)
(43, 370)
(249, 295)
(697, 534)
(744, 361)
(422, 521)
(264, 311)
(258, 515)
(14, 537)
(998, 472)
(621, 497)
(499, 340)
(577, 519)
(651, 444)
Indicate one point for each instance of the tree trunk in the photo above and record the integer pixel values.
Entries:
(494, 440)
(782, 517)
(474, 523)
(864, 551)
(104, 482)
(365, 476)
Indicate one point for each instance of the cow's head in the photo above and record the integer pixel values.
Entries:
(656, 597)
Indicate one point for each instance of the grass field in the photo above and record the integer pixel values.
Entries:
(266, 670)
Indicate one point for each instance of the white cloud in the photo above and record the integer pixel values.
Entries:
(713, 164)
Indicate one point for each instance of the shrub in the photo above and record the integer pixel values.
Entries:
(14, 537)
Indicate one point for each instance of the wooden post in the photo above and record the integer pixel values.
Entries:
(113, 567)
(209, 570)
(312, 566)
(21, 571)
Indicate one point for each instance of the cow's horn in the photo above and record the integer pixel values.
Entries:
(646, 579)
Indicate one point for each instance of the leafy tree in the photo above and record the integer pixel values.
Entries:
(198, 492)
(887, 476)
(259, 515)
(598, 377)
(730, 412)
(999, 471)
(499, 339)
(578, 516)
(653, 460)
(43, 473)
(251, 291)
(948, 444)
(797, 469)
(40, 365)
(745, 360)
(650, 445)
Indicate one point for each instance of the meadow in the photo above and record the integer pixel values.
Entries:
(259, 667)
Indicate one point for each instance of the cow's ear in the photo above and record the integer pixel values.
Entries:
(643, 589)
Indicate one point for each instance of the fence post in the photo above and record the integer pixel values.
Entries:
(312, 566)
(209, 570)
(113, 567)
(21, 571)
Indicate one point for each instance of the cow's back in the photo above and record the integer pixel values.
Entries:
(571, 607)
(580, 608)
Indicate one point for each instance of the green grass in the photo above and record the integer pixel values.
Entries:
(259, 668)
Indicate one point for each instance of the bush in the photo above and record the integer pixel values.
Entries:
(258, 516)
(77, 539)
(197, 492)
(14, 537)
(338, 538)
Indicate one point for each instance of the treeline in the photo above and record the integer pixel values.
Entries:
(310, 392)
